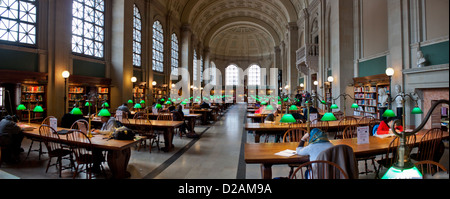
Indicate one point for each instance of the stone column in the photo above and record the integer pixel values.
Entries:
(122, 52)
(59, 54)
(292, 58)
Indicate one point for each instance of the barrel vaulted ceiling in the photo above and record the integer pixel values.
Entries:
(238, 27)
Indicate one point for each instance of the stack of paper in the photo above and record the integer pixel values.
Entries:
(286, 153)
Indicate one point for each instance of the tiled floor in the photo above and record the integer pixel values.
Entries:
(217, 155)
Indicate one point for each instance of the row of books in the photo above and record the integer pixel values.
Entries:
(33, 89)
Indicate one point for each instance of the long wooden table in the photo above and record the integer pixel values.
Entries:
(168, 127)
(280, 129)
(264, 153)
(119, 151)
(191, 118)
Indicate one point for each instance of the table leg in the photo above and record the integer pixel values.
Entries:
(266, 171)
(168, 137)
(118, 163)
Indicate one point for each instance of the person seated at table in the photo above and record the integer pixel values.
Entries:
(205, 105)
(109, 125)
(124, 108)
(271, 117)
(171, 108)
(318, 142)
(178, 115)
(11, 137)
(312, 110)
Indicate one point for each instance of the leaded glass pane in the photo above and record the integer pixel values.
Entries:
(158, 47)
(88, 27)
(18, 21)
(137, 38)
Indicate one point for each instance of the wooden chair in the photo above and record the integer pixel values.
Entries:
(391, 155)
(350, 132)
(319, 170)
(430, 168)
(55, 150)
(365, 120)
(82, 147)
(147, 133)
(46, 122)
(324, 126)
(429, 146)
(294, 135)
(165, 116)
(346, 121)
(372, 124)
(81, 125)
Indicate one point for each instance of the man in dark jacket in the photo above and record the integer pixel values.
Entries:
(11, 137)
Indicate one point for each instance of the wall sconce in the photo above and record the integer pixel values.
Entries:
(316, 83)
(65, 75)
(331, 79)
(154, 83)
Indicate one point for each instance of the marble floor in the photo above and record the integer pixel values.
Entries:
(218, 154)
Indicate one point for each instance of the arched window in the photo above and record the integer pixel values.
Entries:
(158, 47)
(18, 21)
(175, 55)
(201, 68)
(254, 75)
(195, 66)
(213, 74)
(88, 27)
(137, 38)
(232, 75)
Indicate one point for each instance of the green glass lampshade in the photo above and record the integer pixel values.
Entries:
(163, 100)
(130, 102)
(389, 113)
(88, 104)
(21, 107)
(104, 113)
(395, 173)
(158, 106)
(293, 108)
(324, 102)
(285, 99)
(328, 117)
(355, 105)
(168, 103)
(183, 103)
(279, 102)
(137, 106)
(334, 106)
(105, 105)
(288, 118)
(38, 109)
(263, 103)
(142, 102)
(270, 108)
(417, 111)
(76, 111)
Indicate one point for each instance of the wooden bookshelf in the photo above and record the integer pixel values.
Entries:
(366, 94)
(32, 95)
(81, 87)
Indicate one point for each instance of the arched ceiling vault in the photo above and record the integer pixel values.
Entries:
(239, 27)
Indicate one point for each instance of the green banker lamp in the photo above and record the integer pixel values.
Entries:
(130, 102)
(328, 117)
(38, 109)
(105, 105)
(104, 113)
(137, 106)
(22, 107)
(288, 119)
(293, 108)
(404, 168)
(389, 113)
(76, 111)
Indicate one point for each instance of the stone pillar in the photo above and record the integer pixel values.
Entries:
(292, 58)
(59, 51)
(122, 52)
(186, 50)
